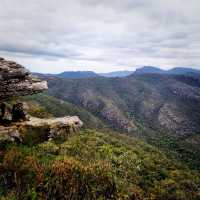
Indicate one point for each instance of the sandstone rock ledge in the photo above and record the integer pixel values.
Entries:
(15, 125)
(16, 80)
(38, 130)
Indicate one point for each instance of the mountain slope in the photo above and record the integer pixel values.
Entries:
(42, 105)
(94, 165)
(162, 109)
(158, 101)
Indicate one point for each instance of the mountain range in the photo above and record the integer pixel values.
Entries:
(156, 70)
(140, 137)
(162, 109)
(72, 74)
(146, 97)
(142, 70)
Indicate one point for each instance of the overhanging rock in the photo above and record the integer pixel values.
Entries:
(15, 80)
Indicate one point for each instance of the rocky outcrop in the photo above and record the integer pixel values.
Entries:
(15, 80)
(38, 130)
(15, 125)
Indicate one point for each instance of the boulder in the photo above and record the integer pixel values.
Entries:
(38, 130)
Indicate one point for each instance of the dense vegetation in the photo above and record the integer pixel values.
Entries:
(42, 105)
(93, 165)
(183, 148)
(161, 109)
(157, 101)
(98, 163)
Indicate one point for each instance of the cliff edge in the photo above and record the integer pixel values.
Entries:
(15, 125)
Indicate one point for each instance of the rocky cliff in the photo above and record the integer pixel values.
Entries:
(17, 81)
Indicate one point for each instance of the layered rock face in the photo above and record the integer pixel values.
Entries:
(15, 80)
(15, 125)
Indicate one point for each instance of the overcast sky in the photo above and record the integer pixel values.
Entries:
(100, 35)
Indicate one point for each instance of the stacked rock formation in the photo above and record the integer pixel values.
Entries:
(16, 81)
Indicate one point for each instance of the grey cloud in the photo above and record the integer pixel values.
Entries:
(103, 33)
(31, 51)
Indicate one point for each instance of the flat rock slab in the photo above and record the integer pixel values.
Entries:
(39, 130)
(65, 121)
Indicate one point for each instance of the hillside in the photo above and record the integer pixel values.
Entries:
(94, 165)
(42, 105)
(100, 100)
(162, 109)
(46, 153)
(158, 101)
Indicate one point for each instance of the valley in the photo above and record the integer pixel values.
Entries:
(160, 109)
(133, 137)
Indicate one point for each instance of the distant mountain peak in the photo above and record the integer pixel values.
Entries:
(157, 70)
(77, 74)
(148, 70)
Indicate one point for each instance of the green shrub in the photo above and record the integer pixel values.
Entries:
(93, 165)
